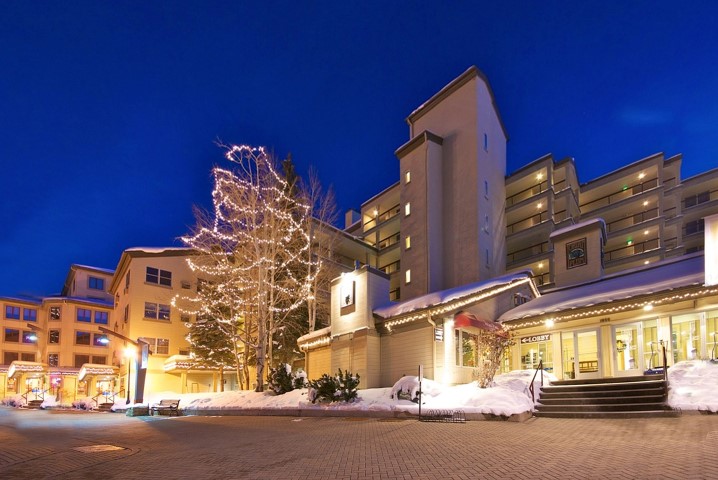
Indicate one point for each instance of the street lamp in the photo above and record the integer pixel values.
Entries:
(129, 353)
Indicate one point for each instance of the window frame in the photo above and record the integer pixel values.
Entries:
(78, 333)
(96, 283)
(89, 315)
(13, 315)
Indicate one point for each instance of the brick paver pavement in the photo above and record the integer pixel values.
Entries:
(43, 445)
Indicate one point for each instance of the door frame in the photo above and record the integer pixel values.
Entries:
(577, 364)
(638, 359)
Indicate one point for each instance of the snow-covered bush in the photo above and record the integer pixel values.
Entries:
(15, 401)
(340, 388)
(84, 404)
(283, 380)
(406, 387)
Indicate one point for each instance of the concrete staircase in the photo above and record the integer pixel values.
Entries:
(105, 407)
(620, 397)
(34, 404)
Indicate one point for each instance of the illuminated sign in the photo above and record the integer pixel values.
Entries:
(576, 253)
(536, 338)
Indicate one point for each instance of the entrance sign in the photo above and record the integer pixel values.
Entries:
(536, 338)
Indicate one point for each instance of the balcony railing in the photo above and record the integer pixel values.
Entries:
(527, 252)
(527, 223)
(391, 267)
(526, 193)
(615, 197)
(632, 220)
(701, 198)
(542, 279)
(389, 241)
(382, 217)
(633, 249)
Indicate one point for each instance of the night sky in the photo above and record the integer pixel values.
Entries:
(110, 111)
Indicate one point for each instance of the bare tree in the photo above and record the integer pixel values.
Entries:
(254, 250)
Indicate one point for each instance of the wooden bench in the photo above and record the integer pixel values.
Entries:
(170, 406)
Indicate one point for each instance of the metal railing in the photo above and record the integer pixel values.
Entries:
(382, 217)
(526, 193)
(109, 398)
(632, 220)
(632, 249)
(527, 252)
(389, 241)
(539, 368)
(626, 192)
(37, 393)
(391, 267)
(529, 222)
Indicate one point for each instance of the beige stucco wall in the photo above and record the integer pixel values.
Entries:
(404, 350)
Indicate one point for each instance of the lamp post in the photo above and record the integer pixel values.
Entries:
(129, 352)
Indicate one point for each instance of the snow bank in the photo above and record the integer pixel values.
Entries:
(693, 385)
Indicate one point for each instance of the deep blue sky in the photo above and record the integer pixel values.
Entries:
(109, 111)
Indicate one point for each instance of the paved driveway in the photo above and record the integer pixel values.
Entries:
(41, 444)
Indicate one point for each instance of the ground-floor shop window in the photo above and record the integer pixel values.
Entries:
(712, 334)
(535, 349)
(467, 352)
(685, 337)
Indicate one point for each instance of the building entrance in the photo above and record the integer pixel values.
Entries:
(628, 349)
(581, 354)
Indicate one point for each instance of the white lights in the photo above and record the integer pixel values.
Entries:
(539, 176)
(407, 209)
(645, 203)
(539, 205)
(549, 323)
(648, 307)
(641, 176)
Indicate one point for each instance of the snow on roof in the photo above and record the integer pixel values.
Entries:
(158, 249)
(585, 223)
(88, 300)
(315, 334)
(21, 299)
(109, 271)
(444, 296)
(664, 276)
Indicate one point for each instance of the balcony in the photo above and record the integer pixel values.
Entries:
(526, 193)
(527, 223)
(389, 241)
(624, 193)
(525, 253)
(633, 249)
(382, 217)
(632, 220)
(391, 267)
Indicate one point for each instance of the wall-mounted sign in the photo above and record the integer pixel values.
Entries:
(576, 253)
(536, 338)
(439, 334)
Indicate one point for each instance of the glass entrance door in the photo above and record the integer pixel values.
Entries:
(588, 355)
(628, 349)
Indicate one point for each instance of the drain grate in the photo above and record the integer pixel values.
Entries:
(98, 448)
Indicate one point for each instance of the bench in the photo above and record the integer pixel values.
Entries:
(170, 406)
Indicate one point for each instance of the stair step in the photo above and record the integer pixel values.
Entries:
(640, 392)
(630, 400)
(635, 378)
(641, 414)
(604, 386)
(607, 407)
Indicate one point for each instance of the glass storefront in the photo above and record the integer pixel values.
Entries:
(685, 337)
(535, 349)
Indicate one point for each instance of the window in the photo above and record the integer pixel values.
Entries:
(53, 360)
(157, 311)
(159, 346)
(29, 314)
(84, 315)
(82, 338)
(695, 227)
(54, 313)
(160, 277)
(467, 352)
(407, 242)
(12, 313)
(486, 188)
(100, 340)
(407, 209)
(101, 317)
(127, 281)
(96, 283)
(29, 337)
(407, 177)
(80, 360)
(53, 336)
(127, 313)
(10, 357)
(185, 318)
(27, 357)
(486, 143)
(407, 276)
(697, 199)
(186, 285)
(99, 359)
(12, 335)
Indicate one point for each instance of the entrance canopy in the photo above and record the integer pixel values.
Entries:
(469, 320)
(19, 367)
(93, 369)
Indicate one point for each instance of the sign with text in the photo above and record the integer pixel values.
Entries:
(536, 338)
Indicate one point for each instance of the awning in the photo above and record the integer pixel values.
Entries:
(19, 366)
(96, 369)
(469, 320)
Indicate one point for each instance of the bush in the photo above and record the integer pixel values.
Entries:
(340, 388)
(283, 380)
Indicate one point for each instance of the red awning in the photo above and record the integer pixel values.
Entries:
(466, 319)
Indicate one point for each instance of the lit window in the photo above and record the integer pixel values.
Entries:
(407, 209)
(29, 337)
(54, 313)
(84, 315)
(12, 313)
(53, 336)
(29, 314)
(407, 276)
(53, 359)
(100, 340)
(407, 242)
(159, 277)
(160, 346)
(407, 177)
(157, 311)
(96, 283)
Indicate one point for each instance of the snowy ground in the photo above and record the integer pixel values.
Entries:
(693, 386)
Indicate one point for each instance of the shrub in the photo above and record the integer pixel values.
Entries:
(283, 380)
(340, 388)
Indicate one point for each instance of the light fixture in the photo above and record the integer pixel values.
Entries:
(376, 212)
(645, 232)
(549, 323)
(646, 262)
(629, 241)
(540, 265)
(645, 203)
(641, 176)
(539, 205)
(648, 307)
(539, 176)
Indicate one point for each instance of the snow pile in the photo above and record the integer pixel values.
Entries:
(693, 385)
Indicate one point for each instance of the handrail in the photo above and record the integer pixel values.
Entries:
(665, 368)
(531, 385)
(109, 397)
